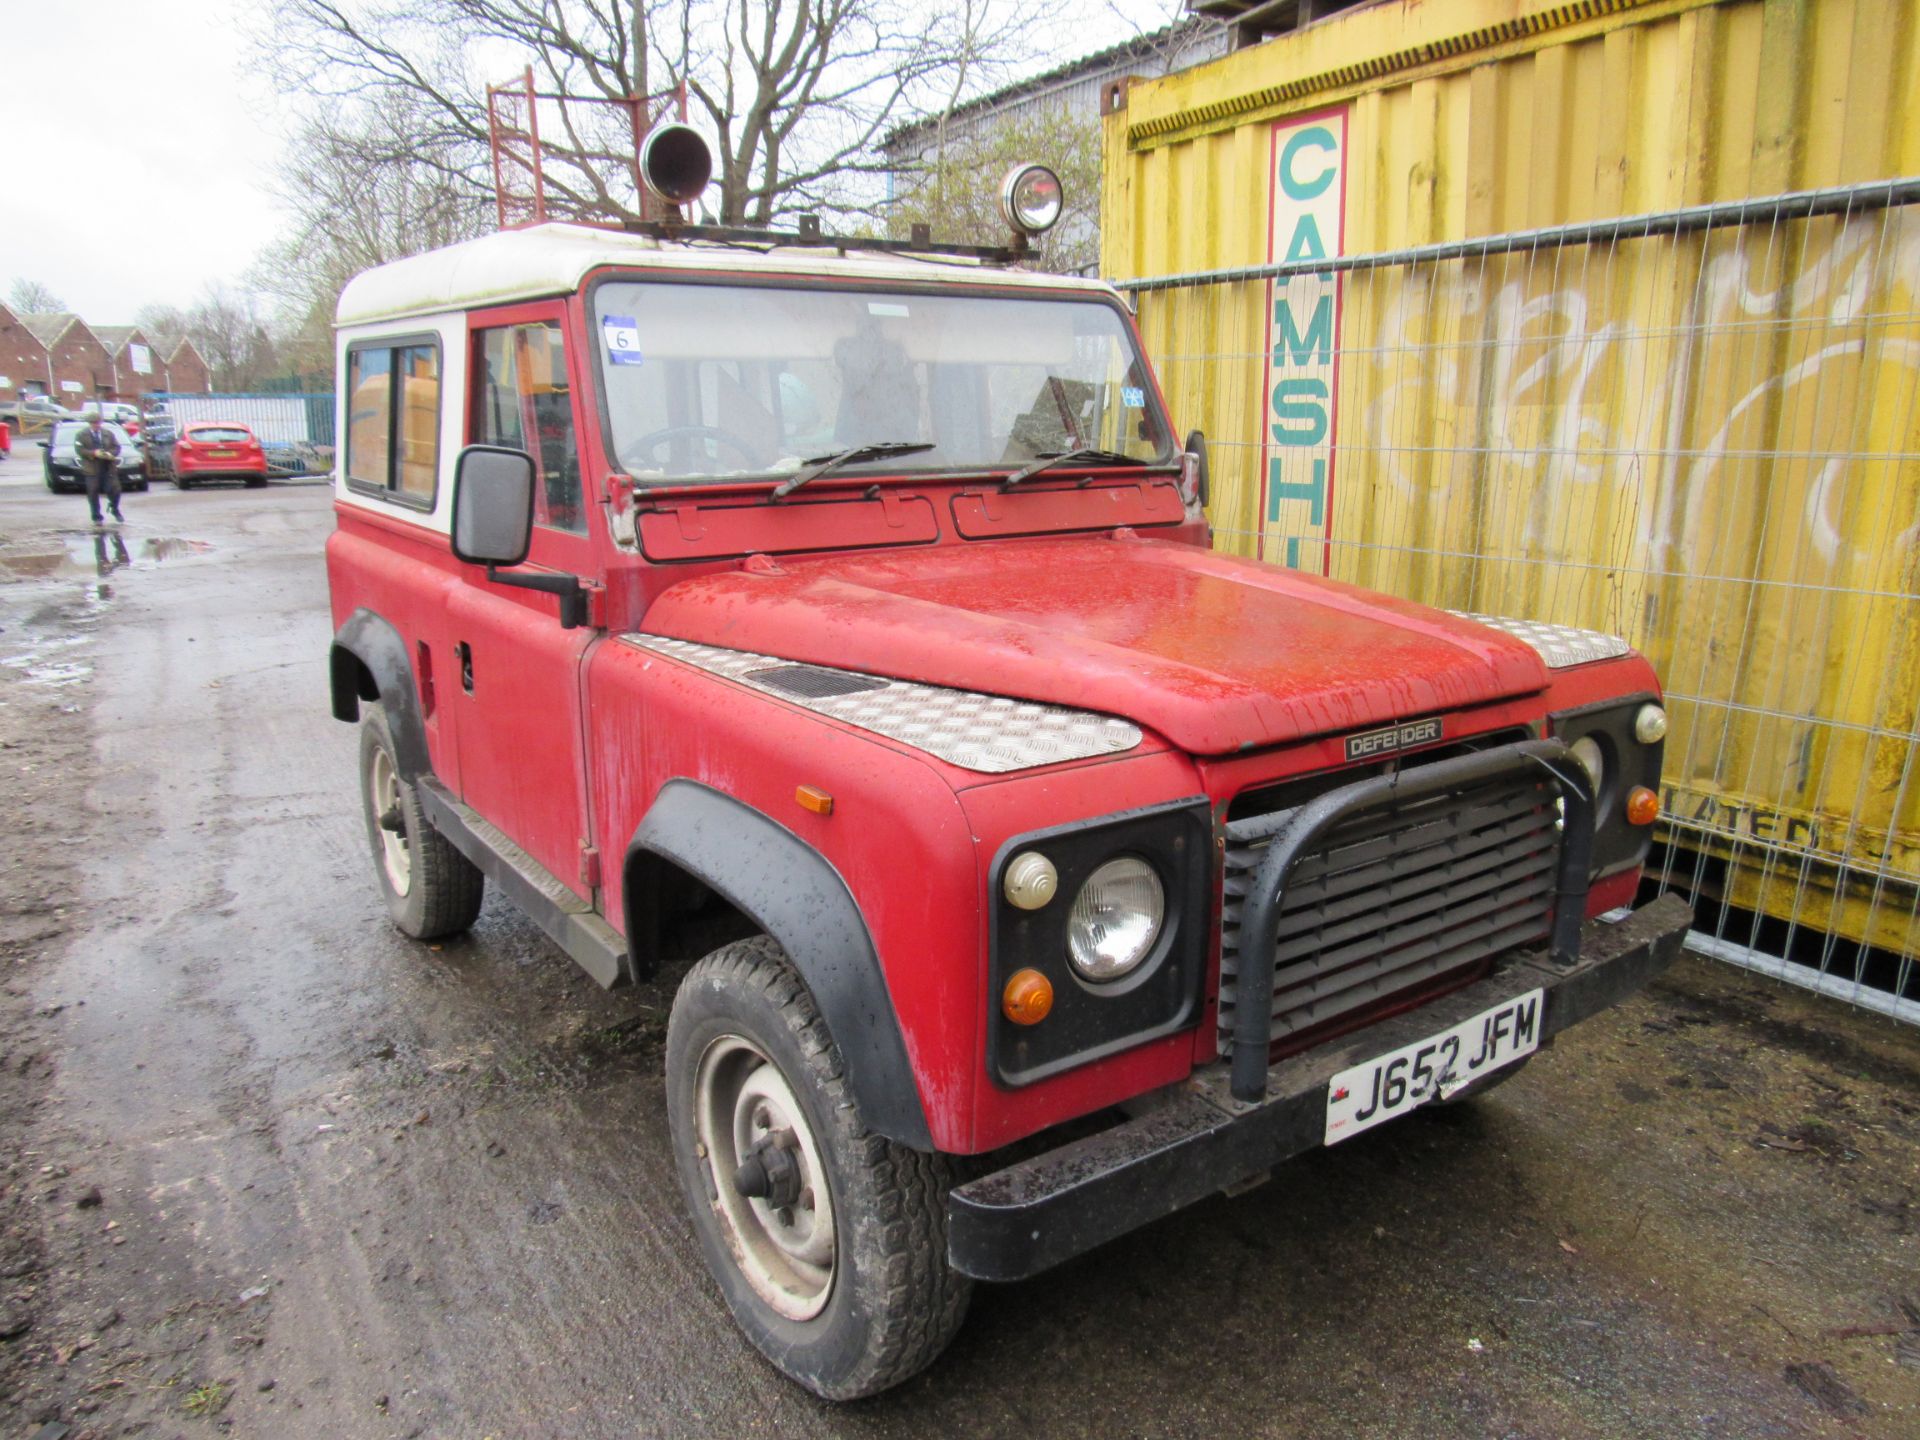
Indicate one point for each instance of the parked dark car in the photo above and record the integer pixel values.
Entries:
(62, 467)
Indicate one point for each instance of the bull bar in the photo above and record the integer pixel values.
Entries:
(1040, 1212)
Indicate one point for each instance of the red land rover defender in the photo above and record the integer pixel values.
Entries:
(864, 590)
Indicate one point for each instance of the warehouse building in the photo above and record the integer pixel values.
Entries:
(23, 359)
(79, 368)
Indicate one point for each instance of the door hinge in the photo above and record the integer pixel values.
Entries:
(589, 866)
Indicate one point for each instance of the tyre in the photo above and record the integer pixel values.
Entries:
(255, 482)
(181, 482)
(828, 1243)
(431, 889)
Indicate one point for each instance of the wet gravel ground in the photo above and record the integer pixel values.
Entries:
(267, 1168)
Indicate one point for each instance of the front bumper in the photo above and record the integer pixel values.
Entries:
(1040, 1212)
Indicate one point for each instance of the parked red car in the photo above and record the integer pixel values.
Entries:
(218, 452)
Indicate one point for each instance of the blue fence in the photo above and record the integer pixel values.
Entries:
(295, 429)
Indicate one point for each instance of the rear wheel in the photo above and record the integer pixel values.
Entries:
(431, 889)
(829, 1243)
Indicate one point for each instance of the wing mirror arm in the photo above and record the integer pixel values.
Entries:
(573, 595)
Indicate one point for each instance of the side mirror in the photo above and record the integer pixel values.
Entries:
(1196, 463)
(492, 505)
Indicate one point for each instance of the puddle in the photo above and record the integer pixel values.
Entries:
(46, 616)
(80, 554)
(173, 549)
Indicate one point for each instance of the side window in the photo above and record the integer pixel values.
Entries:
(393, 420)
(521, 400)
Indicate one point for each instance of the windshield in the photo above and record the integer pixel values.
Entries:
(717, 381)
(219, 434)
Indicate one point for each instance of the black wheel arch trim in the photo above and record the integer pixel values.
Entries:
(794, 893)
(368, 645)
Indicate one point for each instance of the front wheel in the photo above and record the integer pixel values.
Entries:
(431, 889)
(828, 1243)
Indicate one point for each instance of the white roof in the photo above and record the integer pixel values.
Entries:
(553, 259)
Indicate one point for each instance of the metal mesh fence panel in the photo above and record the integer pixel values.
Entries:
(1699, 430)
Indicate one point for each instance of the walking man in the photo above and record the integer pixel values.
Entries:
(99, 455)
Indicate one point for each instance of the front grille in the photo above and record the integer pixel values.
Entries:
(1395, 900)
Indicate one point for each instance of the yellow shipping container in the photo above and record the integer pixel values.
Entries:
(1706, 439)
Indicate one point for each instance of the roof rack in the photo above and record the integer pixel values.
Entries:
(602, 136)
(919, 242)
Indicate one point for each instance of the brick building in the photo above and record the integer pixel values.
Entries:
(187, 369)
(138, 369)
(23, 359)
(80, 369)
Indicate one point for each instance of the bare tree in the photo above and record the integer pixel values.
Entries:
(954, 189)
(29, 297)
(797, 91)
(368, 194)
(228, 331)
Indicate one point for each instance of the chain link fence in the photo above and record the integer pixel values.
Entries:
(1699, 429)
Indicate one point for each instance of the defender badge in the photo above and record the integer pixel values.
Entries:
(1393, 737)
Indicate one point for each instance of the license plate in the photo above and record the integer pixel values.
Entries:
(220, 454)
(1364, 1096)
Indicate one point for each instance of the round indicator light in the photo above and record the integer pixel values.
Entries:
(1030, 881)
(1643, 806)
(1028, 998)
(1650, 725)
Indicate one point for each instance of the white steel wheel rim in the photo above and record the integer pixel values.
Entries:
(786, 1253)
(383, 790)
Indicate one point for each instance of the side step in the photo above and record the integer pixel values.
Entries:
(572, 923)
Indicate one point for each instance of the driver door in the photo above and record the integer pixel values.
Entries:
(520, 724)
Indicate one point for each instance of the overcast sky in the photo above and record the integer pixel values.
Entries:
(155, 100)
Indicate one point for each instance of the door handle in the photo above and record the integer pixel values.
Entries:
(465, 652)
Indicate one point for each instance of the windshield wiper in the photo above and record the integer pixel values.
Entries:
(816, 466)
(1050, 458)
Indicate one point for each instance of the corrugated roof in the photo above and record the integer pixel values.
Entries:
(1140, 46)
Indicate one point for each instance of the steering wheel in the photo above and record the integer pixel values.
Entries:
(649, 444)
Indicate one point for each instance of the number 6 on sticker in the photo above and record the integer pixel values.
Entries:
(623, 339)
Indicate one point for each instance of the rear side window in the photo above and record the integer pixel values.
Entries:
(393, 420)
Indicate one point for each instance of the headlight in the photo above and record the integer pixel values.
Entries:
(1031, 198)
(1592, 760)
(1650, 724)
(1116, 918)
